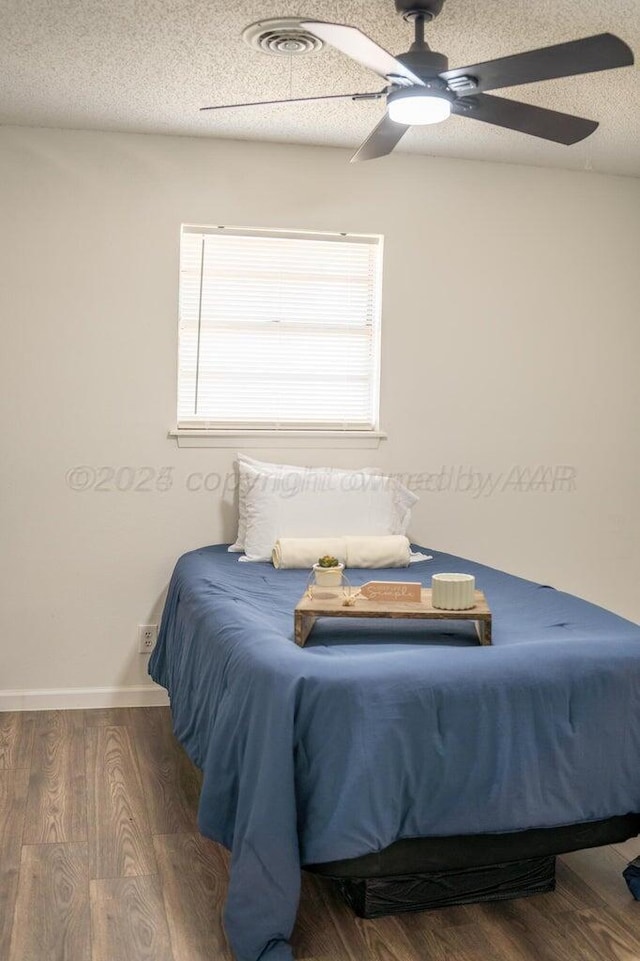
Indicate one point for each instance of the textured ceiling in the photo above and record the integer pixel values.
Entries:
(148, 65)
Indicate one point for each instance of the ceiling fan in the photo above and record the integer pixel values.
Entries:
(422, 90)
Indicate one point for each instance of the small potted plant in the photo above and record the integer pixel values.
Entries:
(328, 571)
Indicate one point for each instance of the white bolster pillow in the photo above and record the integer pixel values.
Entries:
(392, 550)
(305, 551)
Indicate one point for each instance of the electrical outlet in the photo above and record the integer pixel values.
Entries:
(147, 637)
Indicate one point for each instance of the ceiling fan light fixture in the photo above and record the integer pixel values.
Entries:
(417, 105)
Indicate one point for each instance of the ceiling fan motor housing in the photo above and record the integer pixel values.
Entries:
(425, 63)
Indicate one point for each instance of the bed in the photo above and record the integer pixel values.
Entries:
(385, 744)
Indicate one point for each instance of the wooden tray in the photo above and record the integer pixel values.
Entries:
(309, 609)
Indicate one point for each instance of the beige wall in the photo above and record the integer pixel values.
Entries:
(510, 340)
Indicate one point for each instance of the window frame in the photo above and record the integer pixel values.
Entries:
(198, 432)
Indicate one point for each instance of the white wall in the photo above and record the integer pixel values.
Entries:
(511, 339)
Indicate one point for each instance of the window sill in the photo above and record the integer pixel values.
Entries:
(337, 439)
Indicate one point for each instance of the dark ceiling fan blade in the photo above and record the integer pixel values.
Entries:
(602, 52)
(537, 121)
(381, 140)
(332, 96)
(359, 47)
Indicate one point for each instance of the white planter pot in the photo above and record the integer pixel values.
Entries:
(328, 576)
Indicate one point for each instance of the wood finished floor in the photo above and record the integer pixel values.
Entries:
(100, 860)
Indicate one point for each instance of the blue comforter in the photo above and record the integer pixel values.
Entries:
(372, 732)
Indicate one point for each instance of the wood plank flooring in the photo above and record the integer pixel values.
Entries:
(101, 860)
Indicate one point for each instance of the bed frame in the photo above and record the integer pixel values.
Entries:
(420, 873)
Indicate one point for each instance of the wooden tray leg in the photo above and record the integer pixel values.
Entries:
(302, 627)
(483, 630)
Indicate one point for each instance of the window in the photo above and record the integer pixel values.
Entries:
(279, 330)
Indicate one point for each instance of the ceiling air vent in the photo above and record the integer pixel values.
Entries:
(283, 37)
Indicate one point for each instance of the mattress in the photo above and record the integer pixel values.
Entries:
(376, 732)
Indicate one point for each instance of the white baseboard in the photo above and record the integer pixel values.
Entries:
(64, 699)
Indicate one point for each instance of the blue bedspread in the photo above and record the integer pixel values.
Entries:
(364, 736)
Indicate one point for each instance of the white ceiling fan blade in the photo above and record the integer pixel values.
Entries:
(359, 47)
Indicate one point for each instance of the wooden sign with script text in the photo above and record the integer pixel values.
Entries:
(392, 590)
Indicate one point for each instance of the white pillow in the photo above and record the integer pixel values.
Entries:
(245, 478)
(319, 502)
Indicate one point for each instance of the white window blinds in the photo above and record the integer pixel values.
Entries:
(278, 329)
